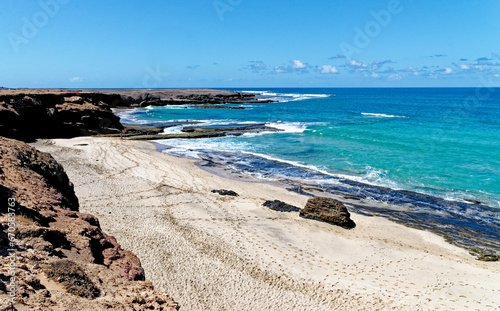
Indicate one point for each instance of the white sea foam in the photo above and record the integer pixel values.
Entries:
(381, 115)
(374, 177)
(173, 129)
(285, 127)
(271, 158)
(192, 147)
(175, 107)
(127, 117)
(288, 127)
(265, 93)
(285, 97)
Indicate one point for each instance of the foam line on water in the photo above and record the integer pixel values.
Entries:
(381, 115)
(285, 97)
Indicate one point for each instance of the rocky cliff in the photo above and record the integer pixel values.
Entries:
(30, 114)
(60, 258)
(55, 115)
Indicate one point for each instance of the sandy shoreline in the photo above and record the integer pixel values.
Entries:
(211, 252)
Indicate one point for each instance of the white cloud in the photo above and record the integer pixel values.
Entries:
(448, 71)
(327, 69)
(464, 67)
(395, 77)
(297, 64)
(278, 69)
(354, 63)
(75, 79)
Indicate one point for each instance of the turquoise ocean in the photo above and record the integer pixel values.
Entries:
(429, 157)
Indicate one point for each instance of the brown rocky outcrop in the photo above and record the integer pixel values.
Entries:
(31, 113)
(63, 260)
(27, 117)
(328, 210)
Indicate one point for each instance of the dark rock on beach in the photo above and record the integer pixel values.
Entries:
(51, 237)
(280, 206)
(328, 210)
(226, 192)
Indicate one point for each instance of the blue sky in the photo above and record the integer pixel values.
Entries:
(249, 43)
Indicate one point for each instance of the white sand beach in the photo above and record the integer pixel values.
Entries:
(213, 252)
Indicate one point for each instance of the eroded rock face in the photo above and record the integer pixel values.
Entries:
(328, 210)
(55, 116)
(36, 178)
(49, 231)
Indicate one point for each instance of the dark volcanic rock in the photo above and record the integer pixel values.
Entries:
(55, 116)
(219, 107)
(36, 193)
(473, 201)
(211, 131)
(280, 206)
(328, 210)
(231, 128)
(139, 136)
(226, 192)
(30, 114)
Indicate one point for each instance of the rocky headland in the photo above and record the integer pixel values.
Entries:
(27, 114)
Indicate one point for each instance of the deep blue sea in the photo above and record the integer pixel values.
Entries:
(442, 143)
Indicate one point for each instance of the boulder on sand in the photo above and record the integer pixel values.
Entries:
(225, 192)
(328, 210)
(280, 206)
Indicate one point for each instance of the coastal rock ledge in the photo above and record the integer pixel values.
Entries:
(61, 258)
(55, 116)
(328, 210)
